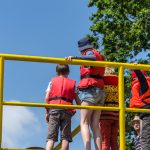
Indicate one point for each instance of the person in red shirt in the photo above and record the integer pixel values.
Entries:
(109, 120)
(140, 98)
(90, 92)
(61, 90)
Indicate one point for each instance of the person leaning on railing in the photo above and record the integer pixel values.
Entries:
(90, 92)
(140, 98)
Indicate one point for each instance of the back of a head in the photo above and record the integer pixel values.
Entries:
(85, 43)
(62, 69)
(109, 71)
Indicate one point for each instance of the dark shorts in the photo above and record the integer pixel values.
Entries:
(59, 120)
(93, 95)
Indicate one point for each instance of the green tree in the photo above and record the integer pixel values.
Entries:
(123, 26)
(122, 29)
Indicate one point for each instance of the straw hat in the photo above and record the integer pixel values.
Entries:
(136, 118)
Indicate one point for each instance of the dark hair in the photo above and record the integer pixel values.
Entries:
(62, 69)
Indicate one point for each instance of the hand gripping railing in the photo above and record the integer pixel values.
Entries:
(120, 66)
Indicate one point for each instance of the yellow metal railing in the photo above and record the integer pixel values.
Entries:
(121, 108)
(1, 95)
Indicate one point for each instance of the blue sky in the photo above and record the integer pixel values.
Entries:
(38, 28)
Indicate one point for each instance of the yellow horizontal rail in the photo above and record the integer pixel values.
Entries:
(74, 62)
(19, 149)
(72, 106)
(58, 106)
(137, 110)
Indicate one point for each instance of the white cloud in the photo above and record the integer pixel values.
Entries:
(20, 124)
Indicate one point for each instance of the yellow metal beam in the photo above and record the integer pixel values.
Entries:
(74, 62)
(58, 106)
(137, 110)
(11, 103)
(31, 148)
(1, 96)
(20, 149)
(122, 109)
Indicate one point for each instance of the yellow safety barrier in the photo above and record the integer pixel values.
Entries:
(121, 108)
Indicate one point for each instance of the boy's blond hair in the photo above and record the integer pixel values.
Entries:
(109, 71)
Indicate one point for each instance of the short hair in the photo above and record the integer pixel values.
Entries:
(109, 71)
(62, 69)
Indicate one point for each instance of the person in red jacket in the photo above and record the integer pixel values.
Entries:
(109, 120)
(90, 92)
(61, 90)
(140, 98)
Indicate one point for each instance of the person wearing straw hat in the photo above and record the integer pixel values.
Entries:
(140, 98)
(109, 120)
(90, 92)
(136, 122)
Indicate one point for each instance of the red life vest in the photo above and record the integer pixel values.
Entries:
(92, 75)
(111, 97)
(137, 100)
(62, 91)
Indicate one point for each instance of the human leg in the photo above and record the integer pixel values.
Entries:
(65, 128)
(65, 145)
(95, 129)
(53, 127)
(91, 96)
(50, 145)
(105, 127)
(84, 125)
(114, 135)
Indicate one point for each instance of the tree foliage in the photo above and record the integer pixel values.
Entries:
(123, 25)
(123, 29)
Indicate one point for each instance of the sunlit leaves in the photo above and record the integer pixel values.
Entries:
(124, 25)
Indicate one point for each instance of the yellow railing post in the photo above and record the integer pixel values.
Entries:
(1, 96)
(122, 109)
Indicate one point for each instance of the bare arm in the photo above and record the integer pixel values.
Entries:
(78, 101)
(46, 101)
(89, 56)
